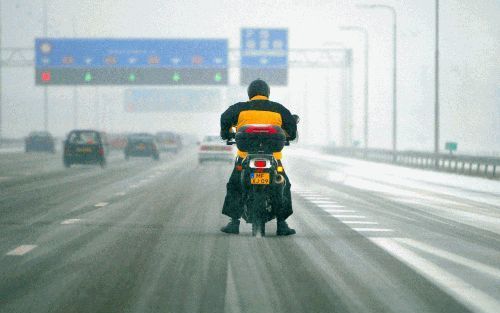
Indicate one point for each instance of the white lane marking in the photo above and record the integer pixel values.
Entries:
(330, 206)
(323, 202)
(152, 176)
(120, 193)
(360, 222)
(70, 221)
(478, 266)
(316, 198)
(101, 204)
(338, 211)
(21, 250)
(473, 298)
(134, 186)
(347, 216)
(231, 299)
(373, 229)
(143, 181)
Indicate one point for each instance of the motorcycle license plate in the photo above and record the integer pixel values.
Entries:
(259, 178)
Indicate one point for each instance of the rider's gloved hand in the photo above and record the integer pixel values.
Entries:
(224, 135)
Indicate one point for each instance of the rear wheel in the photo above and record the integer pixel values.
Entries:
(257, 208)
(258, 227)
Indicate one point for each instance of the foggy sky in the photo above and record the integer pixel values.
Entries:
(470, 71)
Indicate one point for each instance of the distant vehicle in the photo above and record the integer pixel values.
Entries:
(168, 141)
(85, 147)
(141, 145)
(213, 148)
(40, 141)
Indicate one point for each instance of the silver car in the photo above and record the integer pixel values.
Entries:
(214, 148)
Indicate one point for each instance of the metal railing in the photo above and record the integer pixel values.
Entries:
(454, 163)
(6, 142)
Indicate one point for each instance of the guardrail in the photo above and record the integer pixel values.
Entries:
(455, 163)
(11, 141)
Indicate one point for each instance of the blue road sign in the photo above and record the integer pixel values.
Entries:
(264, 48)
(264, 54)
(63, 61)
(171, 53)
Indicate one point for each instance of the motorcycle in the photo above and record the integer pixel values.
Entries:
(261, 179)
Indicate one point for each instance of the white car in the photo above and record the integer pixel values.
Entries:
(214, 148)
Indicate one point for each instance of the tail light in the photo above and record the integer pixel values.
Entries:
(260, 163)
(267, 129)
(203, 148)
(228, 148)
(101, 151)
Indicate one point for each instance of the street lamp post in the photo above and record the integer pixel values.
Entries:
(45, 90)
(436, 84)
(363, 31)
(394, 71)
(75, 92)
(1, 84)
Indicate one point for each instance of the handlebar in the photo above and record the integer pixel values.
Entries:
(231, 140)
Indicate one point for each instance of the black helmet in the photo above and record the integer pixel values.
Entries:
(258, 87)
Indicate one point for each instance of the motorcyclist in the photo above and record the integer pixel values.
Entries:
(257, 110)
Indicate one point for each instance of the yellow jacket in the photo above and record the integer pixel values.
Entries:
(258, 110)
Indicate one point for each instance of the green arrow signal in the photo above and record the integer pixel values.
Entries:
(218, 77)
(176, 77)
(132, 77)
(87, 77)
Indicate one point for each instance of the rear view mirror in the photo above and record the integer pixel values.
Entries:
(297, 118)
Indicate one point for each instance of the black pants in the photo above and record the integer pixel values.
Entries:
(233, 206)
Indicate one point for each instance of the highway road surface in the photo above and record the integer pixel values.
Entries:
(143, 236)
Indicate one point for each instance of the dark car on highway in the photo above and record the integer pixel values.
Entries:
(141, 145)
(39, 141)
(85, 147)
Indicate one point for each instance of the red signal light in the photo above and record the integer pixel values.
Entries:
(46, 76)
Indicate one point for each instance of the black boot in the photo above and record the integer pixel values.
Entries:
(233, 227)
(283, 229)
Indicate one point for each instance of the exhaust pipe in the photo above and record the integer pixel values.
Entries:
(279, 179)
